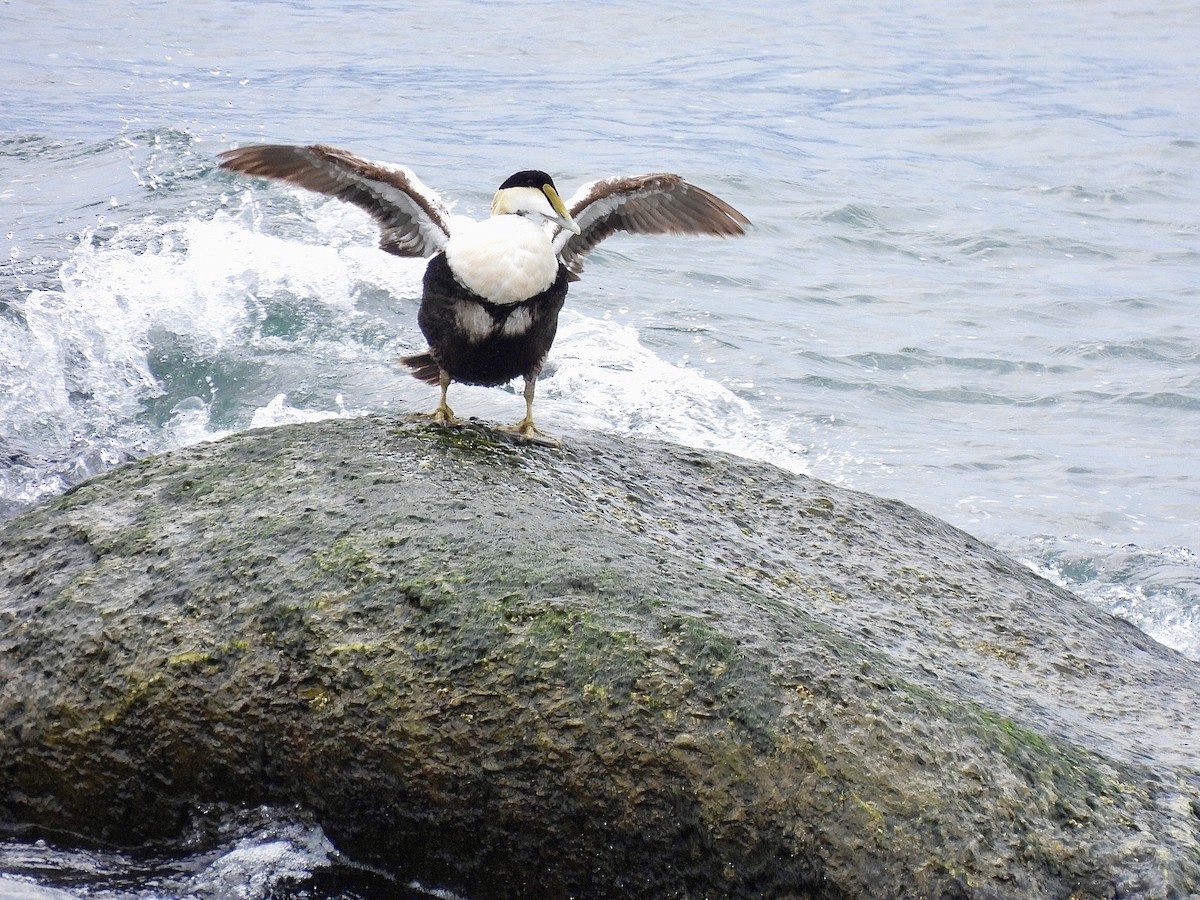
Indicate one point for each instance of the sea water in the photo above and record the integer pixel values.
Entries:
(971, 283)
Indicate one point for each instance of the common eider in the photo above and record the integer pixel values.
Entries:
(493, 289)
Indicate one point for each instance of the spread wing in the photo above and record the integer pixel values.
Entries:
(412, 219)
(642, 204)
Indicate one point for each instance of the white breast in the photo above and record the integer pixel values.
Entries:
(504, 259)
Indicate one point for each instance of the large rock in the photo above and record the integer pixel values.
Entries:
(625, 669)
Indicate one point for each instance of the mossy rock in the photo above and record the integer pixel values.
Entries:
(622, 669)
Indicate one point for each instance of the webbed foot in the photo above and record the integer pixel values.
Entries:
(443, 415)
(526, 431)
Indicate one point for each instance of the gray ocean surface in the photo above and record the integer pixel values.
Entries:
(972, 281)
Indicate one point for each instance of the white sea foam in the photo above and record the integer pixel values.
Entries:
(601, 376)
(1155, 589)
(251, 865)
(86, 362)
(257, 850)
(279, 412)
(243, 854)
(14, 888)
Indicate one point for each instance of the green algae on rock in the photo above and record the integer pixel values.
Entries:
(625, 669)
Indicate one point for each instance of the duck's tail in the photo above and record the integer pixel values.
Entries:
(424, 367)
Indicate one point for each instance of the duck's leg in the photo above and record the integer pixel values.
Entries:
(525, 429)
(443, 415)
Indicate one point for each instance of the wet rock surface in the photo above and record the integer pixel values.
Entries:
(622, 669)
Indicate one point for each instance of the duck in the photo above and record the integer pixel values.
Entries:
(493, 289)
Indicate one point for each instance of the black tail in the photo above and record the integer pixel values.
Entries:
(424, 367)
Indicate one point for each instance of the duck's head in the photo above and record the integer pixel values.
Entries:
(532, 193)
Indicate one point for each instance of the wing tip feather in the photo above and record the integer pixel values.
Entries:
(413, 219)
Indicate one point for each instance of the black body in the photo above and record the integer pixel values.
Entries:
(498, 358)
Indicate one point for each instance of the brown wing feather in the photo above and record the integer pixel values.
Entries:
(412, 220)
(659, 203)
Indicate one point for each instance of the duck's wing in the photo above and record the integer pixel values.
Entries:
(660, 203)
(412, 219)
